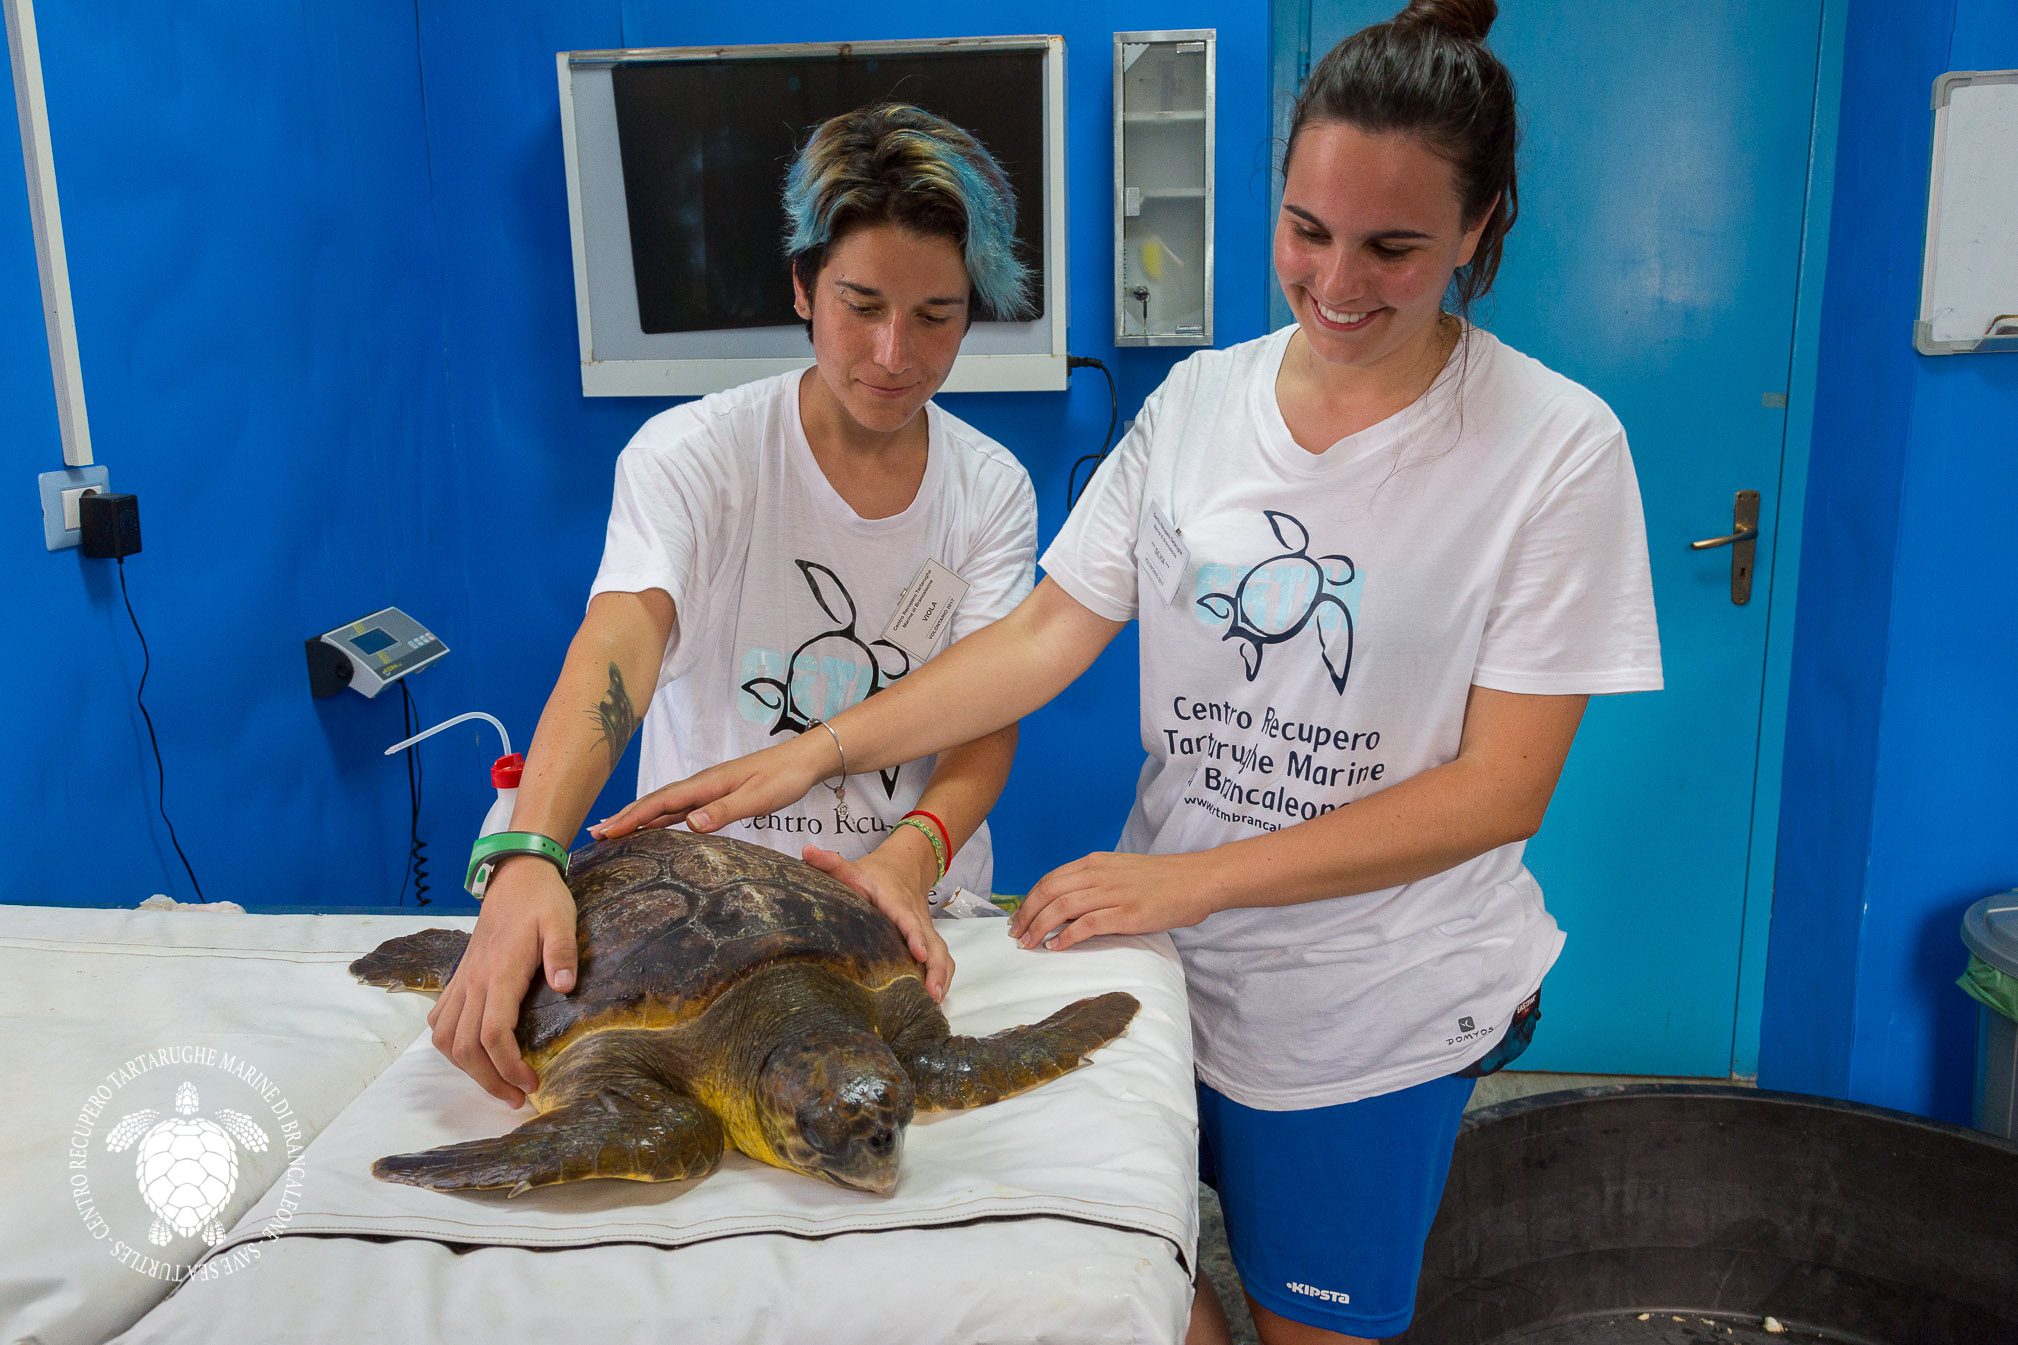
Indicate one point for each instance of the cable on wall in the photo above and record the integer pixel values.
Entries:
(1072, 486)
(160, 770)
(416, 872)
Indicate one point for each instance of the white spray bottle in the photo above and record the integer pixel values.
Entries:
(504, 773)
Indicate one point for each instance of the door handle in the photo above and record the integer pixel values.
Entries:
(1743, 539)
(1742, 535)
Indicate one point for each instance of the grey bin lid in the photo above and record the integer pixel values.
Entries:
(1991, 931)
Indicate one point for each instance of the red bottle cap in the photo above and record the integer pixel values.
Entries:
(505, 771)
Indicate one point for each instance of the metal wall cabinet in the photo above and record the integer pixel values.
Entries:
(1164, 122)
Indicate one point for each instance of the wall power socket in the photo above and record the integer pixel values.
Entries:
(61, 490)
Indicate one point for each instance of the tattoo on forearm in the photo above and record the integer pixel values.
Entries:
(619, 720)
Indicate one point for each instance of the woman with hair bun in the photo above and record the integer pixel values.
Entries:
(1380, 562)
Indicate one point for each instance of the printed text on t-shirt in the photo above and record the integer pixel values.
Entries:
(1236, 759)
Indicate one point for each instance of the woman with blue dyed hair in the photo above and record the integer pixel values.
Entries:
(758, 546)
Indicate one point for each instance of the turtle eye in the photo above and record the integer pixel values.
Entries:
(817, 1129)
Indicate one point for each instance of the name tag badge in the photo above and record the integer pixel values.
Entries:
(1162, 554)
(925, 610)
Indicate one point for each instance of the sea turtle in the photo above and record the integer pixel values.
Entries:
(1276, 599)
(187, 1166)
(804, 697)
(728, 994)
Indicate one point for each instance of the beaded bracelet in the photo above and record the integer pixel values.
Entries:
(932, 838)
(944, 835)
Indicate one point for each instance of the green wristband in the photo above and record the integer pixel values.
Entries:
(483, 857)
(932, 838)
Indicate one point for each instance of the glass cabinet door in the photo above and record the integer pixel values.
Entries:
(1163, 142)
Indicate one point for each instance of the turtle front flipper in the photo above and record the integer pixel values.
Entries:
(638, 1130)
(420, 961)
(950, 1073)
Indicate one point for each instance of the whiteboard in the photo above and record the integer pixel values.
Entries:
(1969, 282)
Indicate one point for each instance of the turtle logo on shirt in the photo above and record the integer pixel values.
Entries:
(1279, 597)
(809, 692)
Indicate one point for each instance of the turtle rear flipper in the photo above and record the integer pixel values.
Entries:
(422, 961)
(638, 1131)
(950, 1073)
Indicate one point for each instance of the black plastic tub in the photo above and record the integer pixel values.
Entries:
(1686, 1213)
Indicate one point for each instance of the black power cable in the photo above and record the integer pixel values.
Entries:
(416, 851)
(1072, 486)
(139, 698)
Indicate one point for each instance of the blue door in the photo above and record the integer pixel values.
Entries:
(1663, 173)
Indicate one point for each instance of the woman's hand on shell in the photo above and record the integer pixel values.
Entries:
(1112, 893)
(709, 800)
(894, 886)
(526, 926)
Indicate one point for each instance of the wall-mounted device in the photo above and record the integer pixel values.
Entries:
(371, 653)
(676, 159)
(1164, 121)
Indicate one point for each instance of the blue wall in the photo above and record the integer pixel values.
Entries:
(246, 203)
(326, 318)
(1900, 798)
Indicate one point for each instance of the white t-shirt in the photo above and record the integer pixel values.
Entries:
(783, 593)
(1331, 612)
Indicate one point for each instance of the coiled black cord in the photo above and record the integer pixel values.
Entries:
(139, 698)
(416, 851)
(1072, 486)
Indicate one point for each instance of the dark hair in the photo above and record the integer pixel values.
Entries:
(894, 163)
(1427, 71)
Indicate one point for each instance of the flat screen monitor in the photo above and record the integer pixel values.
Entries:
(676, 162)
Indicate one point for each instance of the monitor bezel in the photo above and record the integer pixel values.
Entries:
(631, 376)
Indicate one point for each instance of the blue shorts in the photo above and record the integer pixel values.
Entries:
(1327, 1208)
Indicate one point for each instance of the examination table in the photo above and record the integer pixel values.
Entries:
(1068, 1213)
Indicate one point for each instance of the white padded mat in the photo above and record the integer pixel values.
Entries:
(1067, 1213)
(1096, 1145)
(86, 994)
(1009, 1282)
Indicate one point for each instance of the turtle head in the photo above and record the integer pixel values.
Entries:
(835, 1106)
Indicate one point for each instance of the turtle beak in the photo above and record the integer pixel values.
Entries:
(869, 1163)
(884, 1185)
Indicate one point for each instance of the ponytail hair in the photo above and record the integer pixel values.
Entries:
(1426, 71)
